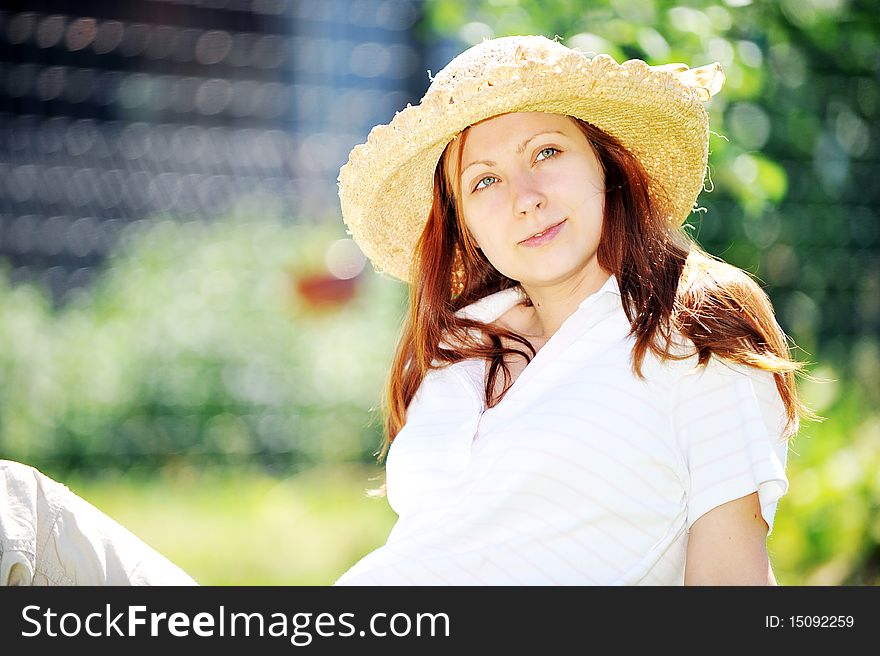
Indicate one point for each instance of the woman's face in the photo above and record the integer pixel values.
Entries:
(532, 194)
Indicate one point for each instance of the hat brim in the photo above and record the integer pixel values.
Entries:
(386, 188)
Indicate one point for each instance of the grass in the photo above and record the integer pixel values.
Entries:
(246, 527)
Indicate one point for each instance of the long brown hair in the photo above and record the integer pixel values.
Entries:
(668, 284)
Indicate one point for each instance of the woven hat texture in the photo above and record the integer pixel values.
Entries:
(386, 187)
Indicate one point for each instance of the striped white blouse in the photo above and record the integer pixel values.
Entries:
(583, 474)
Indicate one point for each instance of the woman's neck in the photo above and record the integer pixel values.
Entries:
(553, 304)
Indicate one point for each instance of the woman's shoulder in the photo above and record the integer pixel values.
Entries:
(722, 382)
(683, 364)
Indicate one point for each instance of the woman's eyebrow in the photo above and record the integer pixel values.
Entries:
(519, 149)
(522, 147)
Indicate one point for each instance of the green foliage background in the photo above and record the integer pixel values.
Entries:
(194, 344)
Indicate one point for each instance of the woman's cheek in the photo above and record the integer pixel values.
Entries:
(503, 260)
(479, 222)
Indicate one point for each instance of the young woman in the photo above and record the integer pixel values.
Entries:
(580, 394)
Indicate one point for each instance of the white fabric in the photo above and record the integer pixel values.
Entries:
(583, 474)
(50, 536)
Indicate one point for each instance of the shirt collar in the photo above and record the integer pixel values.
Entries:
(490, 307)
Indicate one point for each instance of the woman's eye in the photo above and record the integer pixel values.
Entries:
(485, 182)
(547, 153)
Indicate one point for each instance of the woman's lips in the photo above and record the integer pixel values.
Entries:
(543, 237)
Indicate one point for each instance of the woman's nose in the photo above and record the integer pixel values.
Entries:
(528, 198)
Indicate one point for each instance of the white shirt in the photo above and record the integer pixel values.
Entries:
(583, 473)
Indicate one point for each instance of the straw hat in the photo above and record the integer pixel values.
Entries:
(386, 186)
